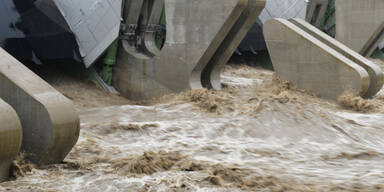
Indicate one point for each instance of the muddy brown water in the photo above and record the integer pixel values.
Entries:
(257, 134)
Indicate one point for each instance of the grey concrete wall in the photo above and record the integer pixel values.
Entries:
(308, 63)
(49, 120)
(357, 20)
(10, 138)
(195, 29)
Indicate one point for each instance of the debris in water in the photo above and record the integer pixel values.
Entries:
(357, 103)
(116, 126)
(208, 100)
(21, 167)
(148, 163)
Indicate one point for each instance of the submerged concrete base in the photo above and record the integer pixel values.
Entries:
(302, 59)
(49, 120)
(357, 21)
(211, 73)
(195, 30)
(10, 138)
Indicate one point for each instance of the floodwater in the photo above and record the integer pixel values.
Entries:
(257, 134)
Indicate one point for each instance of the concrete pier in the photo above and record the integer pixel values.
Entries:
(49, 120)
(195, 30)
(375, 73)
(308, 63)
(211, 73)
(10, 138)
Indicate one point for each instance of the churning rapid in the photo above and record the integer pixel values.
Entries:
(256, 134)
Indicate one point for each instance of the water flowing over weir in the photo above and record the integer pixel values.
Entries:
(257, 134)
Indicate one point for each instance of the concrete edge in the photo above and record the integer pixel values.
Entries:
(195, 79)
(373, 42)
(211, 73)
(64, 123)
(10, 138)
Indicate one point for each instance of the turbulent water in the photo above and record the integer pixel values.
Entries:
(257, 134)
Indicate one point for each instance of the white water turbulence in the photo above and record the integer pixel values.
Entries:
(256, 134)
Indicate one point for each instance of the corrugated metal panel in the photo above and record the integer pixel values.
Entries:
(254, 41)
(95, 23)
(284, 9)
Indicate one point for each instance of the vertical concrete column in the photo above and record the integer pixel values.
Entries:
(357, 21)
(49, 120)
(195, 29)
(10, 138)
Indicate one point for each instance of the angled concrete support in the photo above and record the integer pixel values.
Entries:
(211, 73)
(49, 120)
(306, 61)
(373, 43)
(358, 21)
(375, 73)
(316, 11)
(10, 138)
(195, 30)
